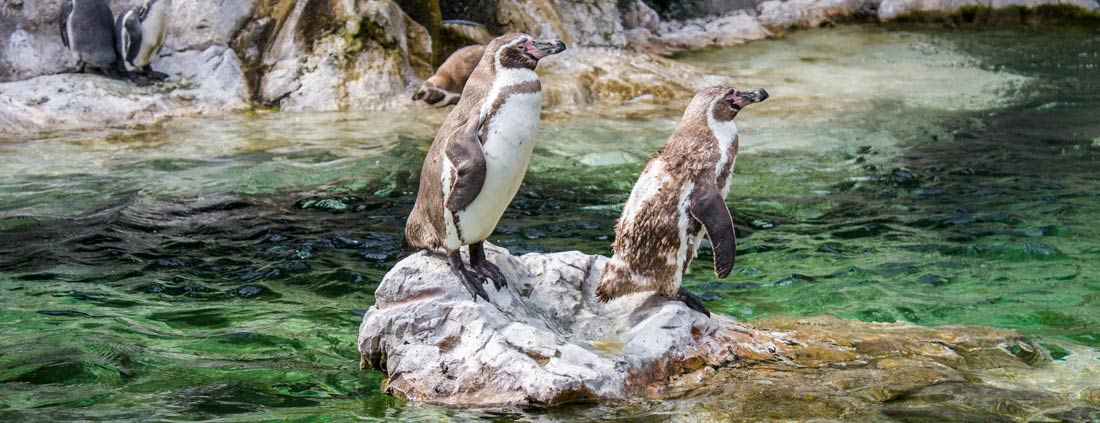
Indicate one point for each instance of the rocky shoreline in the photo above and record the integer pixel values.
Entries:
(545, 340)
(328, 55)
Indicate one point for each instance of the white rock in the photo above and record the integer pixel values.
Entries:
(544, 339)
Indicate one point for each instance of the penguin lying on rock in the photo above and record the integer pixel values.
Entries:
(140, 33)
(681, 192)
(479, 157)
(445, 87)
(87, 29)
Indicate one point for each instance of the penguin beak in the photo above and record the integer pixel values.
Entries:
(538, 49)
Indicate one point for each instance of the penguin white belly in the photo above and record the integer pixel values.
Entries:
(508, 146)
(153, 30)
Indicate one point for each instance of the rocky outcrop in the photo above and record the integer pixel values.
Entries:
(367, 60)
(546, 340)
(606, 76)
(326, 55)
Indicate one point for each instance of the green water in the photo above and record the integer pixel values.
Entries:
(216, 269)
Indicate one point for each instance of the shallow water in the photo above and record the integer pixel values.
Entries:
(216, 269)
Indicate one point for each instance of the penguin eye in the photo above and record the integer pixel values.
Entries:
(522, 47)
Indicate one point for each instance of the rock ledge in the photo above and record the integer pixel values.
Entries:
(545, 340)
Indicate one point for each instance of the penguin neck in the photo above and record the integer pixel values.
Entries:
(724, 132)
(503, 80)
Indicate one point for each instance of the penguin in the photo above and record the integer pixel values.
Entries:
(680, 193)
(140, 33)
(479, 157)
(445, 87)
(87, 29)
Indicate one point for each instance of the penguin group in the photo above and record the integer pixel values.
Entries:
(123, 47)
(480, 154)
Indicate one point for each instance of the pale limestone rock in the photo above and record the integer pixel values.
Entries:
(577, 23)
(637, 14)
(890, 9)
(806, 13)
(732, 29)
(349, 69)
(587, 76)
(544, 339)
(82, 101)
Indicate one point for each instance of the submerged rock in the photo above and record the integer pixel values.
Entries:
(546, 340)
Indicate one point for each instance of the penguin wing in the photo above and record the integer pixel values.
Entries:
(63, 22)
(467, 159)
(129, 35)
(709, 208)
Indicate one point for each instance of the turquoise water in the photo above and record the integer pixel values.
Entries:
(216, 269)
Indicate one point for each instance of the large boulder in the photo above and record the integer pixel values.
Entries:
(544, 339)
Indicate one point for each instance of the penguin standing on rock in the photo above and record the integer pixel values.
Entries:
(140, 34)
(87, 29)
(479, 157)
(681, 192)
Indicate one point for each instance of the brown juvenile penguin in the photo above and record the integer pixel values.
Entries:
(479, 156)
(445, 87)
(681, 192)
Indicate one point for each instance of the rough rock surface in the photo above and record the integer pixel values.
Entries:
(323, 55)
(545, 340)
(597, 75)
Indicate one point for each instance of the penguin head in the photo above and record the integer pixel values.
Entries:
(519, 50)
(723, 103)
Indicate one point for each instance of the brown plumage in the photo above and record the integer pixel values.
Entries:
(680, 192)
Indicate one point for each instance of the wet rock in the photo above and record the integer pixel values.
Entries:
(577, 23)
(586, 76)
(892, 9)
(248, 291)
(933, 280)
(807, 13)
(543, 340)
(78, 101)
(903, 178)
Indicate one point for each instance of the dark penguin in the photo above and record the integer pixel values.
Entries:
(445, 87)
(681, 192)
(140, 33)
(479, 157)
(87, 29)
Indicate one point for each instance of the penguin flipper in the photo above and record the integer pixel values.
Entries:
(709, 208)
(63, 22)
(467, 159)
(129, 35)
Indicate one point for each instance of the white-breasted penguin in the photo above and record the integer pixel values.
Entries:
(479, 156)
(681, 192)
(87, 29)
(444, 88)
(140, 33)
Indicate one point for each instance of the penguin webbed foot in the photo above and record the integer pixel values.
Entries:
(489, 270)
(692, 301)
(485, 268)
(140, 79)
(154, 75)
(468, 278)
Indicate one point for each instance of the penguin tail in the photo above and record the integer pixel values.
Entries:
(615, 282)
